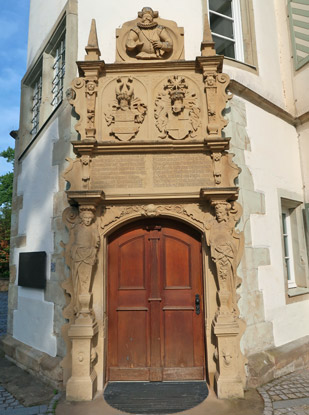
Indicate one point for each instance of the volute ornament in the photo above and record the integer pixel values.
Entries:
(177, 112)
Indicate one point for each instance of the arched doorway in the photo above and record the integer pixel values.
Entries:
(155, 303)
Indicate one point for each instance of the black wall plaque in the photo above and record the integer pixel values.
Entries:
(32, 269)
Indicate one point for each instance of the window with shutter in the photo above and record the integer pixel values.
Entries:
(299, 23)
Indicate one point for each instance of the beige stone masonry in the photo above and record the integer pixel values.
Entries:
(38, 363)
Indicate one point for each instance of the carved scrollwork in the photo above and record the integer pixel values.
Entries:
(194, 213)
(78, 83)
(177, 112)
(217, 97)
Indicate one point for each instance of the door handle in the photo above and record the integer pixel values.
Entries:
(197, 304)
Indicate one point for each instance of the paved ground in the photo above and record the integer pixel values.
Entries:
(22, 393)
(287, 395)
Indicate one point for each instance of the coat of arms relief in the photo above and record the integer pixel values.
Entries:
(126, 113)
(177, 113)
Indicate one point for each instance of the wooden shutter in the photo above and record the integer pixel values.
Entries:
(299, 22)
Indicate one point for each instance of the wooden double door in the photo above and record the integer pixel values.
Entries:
(155, 303)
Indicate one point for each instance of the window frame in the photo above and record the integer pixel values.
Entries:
(237, 28)
(288, 246)
(247, 27)
(63, 29)
(298, 287)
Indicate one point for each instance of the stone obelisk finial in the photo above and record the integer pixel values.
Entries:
(207, 45)
(92, 49)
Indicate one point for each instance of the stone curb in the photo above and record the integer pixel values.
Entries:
(56, 398)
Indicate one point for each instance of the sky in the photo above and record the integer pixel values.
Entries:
(14, 17)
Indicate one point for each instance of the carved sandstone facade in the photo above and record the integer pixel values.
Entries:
(151, 145)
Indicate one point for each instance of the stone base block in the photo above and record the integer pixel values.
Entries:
(278, 361)
(37, 363)
(81, 389)
(229, 388)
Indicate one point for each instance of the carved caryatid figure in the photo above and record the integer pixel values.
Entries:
(176, 112)
(226, 249)
(85, 241)
(126, 112)
(149, 39)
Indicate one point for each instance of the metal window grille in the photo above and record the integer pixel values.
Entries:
(299, 23)
(225, 25)
(36, 104)
(59, 71)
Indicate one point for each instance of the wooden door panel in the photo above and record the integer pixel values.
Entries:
(176, 263)
(132, 264)
(128, 312)
(178, 331)
(154, 333)
(132, 338)
(183, 373)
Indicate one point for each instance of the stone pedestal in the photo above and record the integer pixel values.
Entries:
(82, 385)
(228, 380)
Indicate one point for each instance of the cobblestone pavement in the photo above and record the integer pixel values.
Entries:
(10, 405)
(287, 395)
(3, 312)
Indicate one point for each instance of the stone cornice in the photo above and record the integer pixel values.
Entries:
(83, 147)
(248, 94)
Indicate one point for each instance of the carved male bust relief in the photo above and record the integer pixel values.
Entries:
(148, 39)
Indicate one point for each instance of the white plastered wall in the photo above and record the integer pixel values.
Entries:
(37, 183)
(274, 162)
(112, 14)
(42, 17)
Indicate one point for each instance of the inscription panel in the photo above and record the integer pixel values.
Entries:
(182, 170)
(118, 171)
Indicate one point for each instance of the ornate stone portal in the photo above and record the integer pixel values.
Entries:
(150, 145)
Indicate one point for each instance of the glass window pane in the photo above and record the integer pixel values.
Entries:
(221, 6)
(288, 271)
(286, 246)
(224, 47)
(221, 25)
(284, 223)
